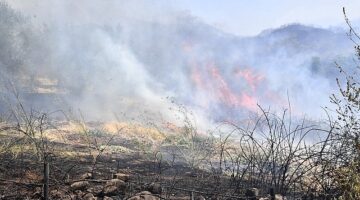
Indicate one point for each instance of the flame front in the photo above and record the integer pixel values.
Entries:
(211, 82)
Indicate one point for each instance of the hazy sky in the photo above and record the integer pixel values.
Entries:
(240, 17)
(249, 17)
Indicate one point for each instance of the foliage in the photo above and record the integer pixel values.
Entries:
(343, 156)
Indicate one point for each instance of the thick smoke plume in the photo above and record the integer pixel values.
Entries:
(106, 57)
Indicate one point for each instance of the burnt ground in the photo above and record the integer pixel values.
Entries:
(21, 171)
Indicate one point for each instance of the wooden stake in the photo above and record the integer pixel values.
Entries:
(46, 180)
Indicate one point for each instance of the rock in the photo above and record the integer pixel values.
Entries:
(200, 197)
(116, 182)
(89, 196)
(86, 176)
(173, 197)
(79, 194)
(107, 198)
(252, 193)
(114, 187)
(121, 176)
(111, 190)
(81, 185)
(144, 195)
(196, 197)
(279, 197)
(96, 190)
(155, 188)
(190, 174)
(37, 194)
(56, 194)
(118, 197)
(265, 198)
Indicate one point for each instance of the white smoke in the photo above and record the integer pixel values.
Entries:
(128, 56)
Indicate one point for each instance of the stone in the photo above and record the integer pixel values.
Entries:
(252, 193)
(87, 175)
(89, 196)
(111, 190)
(144, 195)
(265, 198)
(121, 176)
(81, 185)
(116, 182)
(155, 188)
(107, 198)
(57, 194)
(114, 187)
(118, 197)
(96, 190)
(190, 174)
(79, 194)
(279, 197)
(37, 194)
(174, 197)
(200, 197)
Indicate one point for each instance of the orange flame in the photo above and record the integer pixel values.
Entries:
(212, 82)
(223, 91)
(252, 79)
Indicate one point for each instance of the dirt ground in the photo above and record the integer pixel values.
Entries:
(95, 161)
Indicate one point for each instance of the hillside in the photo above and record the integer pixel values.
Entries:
(196, 64)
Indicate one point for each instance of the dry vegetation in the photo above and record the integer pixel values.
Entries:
(270, 157)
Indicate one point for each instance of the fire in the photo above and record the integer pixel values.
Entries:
(248, 101)
(210, 81)
(252, 79)
(197, 78)
(222, 89)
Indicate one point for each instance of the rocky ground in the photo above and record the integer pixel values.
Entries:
(128, 178)
(121, 169)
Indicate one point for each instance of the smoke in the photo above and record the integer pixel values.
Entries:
(106, 57)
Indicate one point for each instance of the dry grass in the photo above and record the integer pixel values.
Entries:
(134, 131)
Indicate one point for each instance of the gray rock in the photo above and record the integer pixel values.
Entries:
(57, 194)
(81, 185)
(111, 190)
(87, 175)
(190, 174)
(200, 197)
(121, 176)
(265, 198)
(37, 194)
(144, 195)
(79, 194)
(96, 190)
(114, 187)
(155, 188)
(252, 193)
(279, 197)
(116, 182)
(89, 196)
